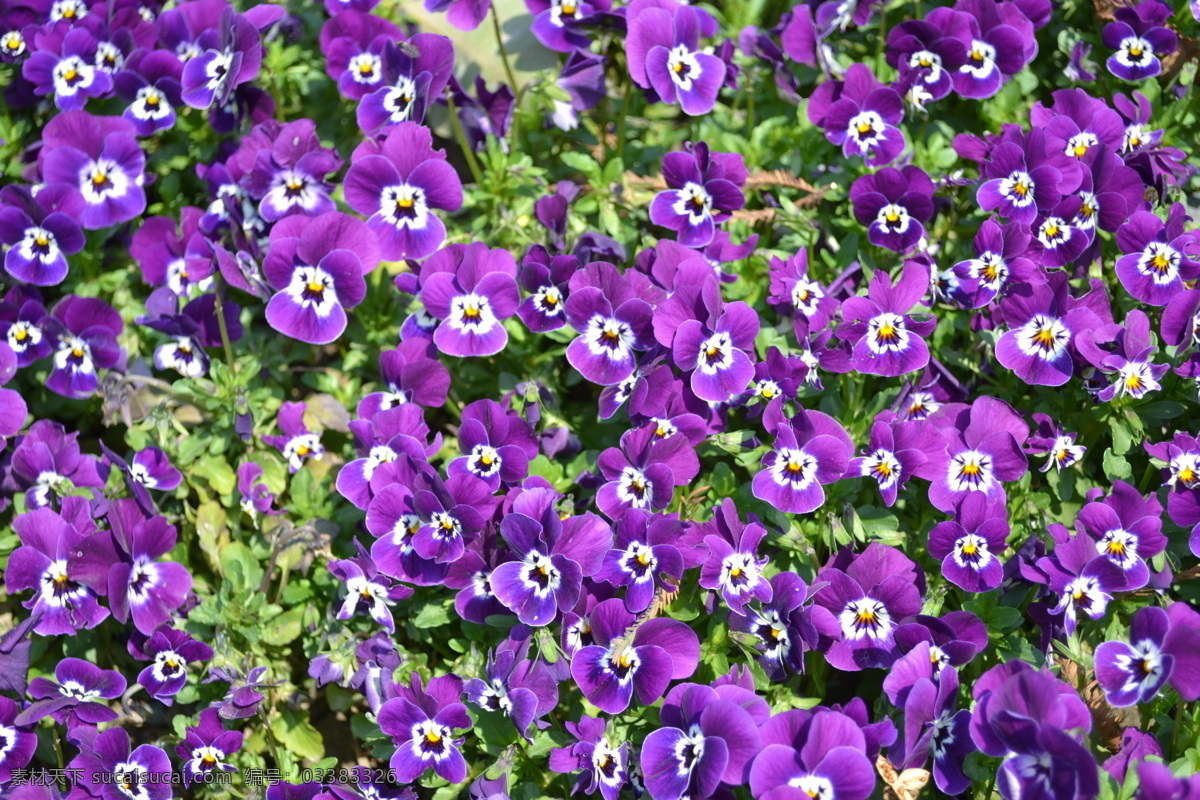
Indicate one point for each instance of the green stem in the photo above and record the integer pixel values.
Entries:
(512, 81)
(622, 120)
(225, 344)
(461, 135)
(1174, 734)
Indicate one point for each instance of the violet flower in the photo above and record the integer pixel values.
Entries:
(1127, 529)
(555, 555)
(1140, 38)
(316, 267)
(410, 373)
(1000, 263)
(644, 471)
(897, 451)
(629, 659)
(289, 169)
(86, 330)
(1158, 256)
(171, 651)
(933, 725)
(930, 51)
(421, 722)
(612, 321)
(860, 114)
(397, 185)
(120, 771)
(970, 546)
(466, 15)
(100, 157)
(150, 82)
(733, 566)
(353, 42)
(297, 442)
(206, 747)
(49, 459)
(64, 65)
(706, 740)
(702, 192)
(521, 689)
(1082, 580)
(1052, 441)
(40, 231)
(810, 450)
(412, 74)
(997, 50)
(1181, 476)
(780, 628)
(1043, 321)
(1027, 178)
(602, 766)
(888, 340)
(139, 586)
(663, 52)
(983, 448)
(1164, 646)
(210, 78)
(717, 350)
(644, 557)
(74, 696)
(497, 445)
(863, 603)
(19, 741)
(831, 763)
(367, 590)
(557, 24)
(470, 290)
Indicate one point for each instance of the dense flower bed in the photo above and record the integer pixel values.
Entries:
(471, 398)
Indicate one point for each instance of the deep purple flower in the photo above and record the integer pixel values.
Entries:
(139, 586)
(19, 741)
(1157, 782)
(367, 590)
(933, 725)
(171, 651)
(229, 59)
(287, 169)
(48, 460)
(256, 498)
(1027, 178)
(717, 349)
(601, 766)
(421, 722)
(1026, 717)
(64, 65)
(1164, 646)
(970, 546)
(707, 740)
(411, 74)
(930, 51)
(393, 519)
(779, 629)
(466, 15)
(471, 290)
(554, 557)
(663, 52)
(1158, 256)
(545, 279)
(497, 445)
(1080, 66)
(612, 322)
(888, 340)
(1082, 580)
(316, 267)
(893, 204)
(792, 286)
(1043, 321)
(629, 659)
(1125, 353)
(644, 471)
(352, 42)
(243, 699)
(733, 566)
(74, 696)
(983, 449)
(831, 763)
(522, 689)
(810, 449)
(860, 114)
(644, 557)
(997, 50)
(897, 451)
(410, 374)
(67, 579)
(40, 231)
(862, 604)
(381, 441)
(150, 82)
(1181, 457)
(100, 157)
(175, 255)
(558, 23)
(297, 442)
(1052, 441)
(702, 192)
(1000, 262)
(398, 184)
(118, 772)
(86, 330)
(1140, 38)
(21, 318)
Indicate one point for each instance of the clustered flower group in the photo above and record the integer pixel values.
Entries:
(684, 363)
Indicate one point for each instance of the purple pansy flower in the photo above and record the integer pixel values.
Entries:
(933, 725)
(413, 73)
(497, 445)
(1158, 256)
(243, 699)
(231, 58)
(792, 286)
(1140, 38)
(1043, 321)
(367, 590)
(969, 547)
(1126, 529)
(49, 459)
(64, 569)
(206, 747)
(644, 471)
(1027, 178)
(781, 628)
(1164, 646)
(40, 231)
(832, 763)
(410, 374)
(1050, 440)
(381, 440)
(466, 15)
(522, 689)
(644, 557)
(602, 766)
(75, 696)
(707, 740)
(139, 586)
(897, 451)
(717, 350)
(421, 722)
(1082, 580)
(861, 605)
(86, 330)
(629, 659)
(662, 49)
(316, 267)
(1125, 353)
(557, 23)
(170, 651)
(352, 42)
(893, 204)
(297, 442)
(288, 171)
(930, 51)
(702, 192)
(612, 322)
(733, 566)
(17, 742)
(554, 557)
(999, 262)
(470, 290)
(545, 279)
(1181, 457)
(64, 65)
(151, 468)
(983, 449)
(860, 114)
(256, 498)
(997, 50)
(810, 449)
(888, 340)
(21, 324)
(120, 772)
(398, 184)
(101, 158)
(150, 83)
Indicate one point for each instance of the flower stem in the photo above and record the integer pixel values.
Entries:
(461, 136)
(512, 81)
(621, 121)
(225, 344)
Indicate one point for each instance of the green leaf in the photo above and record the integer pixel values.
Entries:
(240, 566)
(293, 730)
(1116, 466)
(433, 615)
(217, 472)
(285, 628)
(212, 532)
(580, 161)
